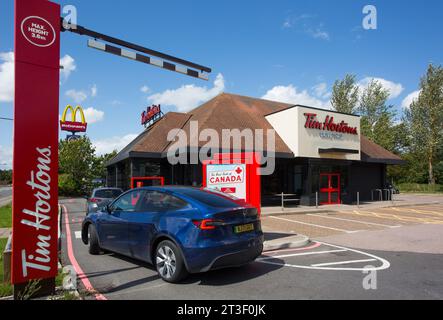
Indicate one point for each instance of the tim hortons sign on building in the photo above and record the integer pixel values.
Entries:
(151, 114)
(35, 162)
(328, 125)
(317, 133)
(73, 125)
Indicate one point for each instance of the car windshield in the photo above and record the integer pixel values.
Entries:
(107, 193)
(210, 198)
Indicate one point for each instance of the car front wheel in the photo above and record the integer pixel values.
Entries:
(94, 247)
(169, 262)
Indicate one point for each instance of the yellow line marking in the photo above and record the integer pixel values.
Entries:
(397, 217)
(419, 211)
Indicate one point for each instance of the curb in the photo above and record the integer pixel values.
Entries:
(296, 241)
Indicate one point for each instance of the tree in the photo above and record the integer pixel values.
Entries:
(76, 159)
(5, 176)
(345, 95)
(425, 118)
(377, 116)
(99, 165)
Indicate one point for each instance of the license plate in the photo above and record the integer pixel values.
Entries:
(244, 228)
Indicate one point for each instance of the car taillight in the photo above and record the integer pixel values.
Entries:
(207, 224)
(94, 200)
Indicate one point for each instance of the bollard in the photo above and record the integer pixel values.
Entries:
(358, 200)
(282, 201)
(316, 200)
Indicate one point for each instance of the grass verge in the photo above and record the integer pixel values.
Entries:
(5, 288)
(420, 188)
(6, 216)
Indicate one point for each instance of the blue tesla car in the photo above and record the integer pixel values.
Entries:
(180, 230)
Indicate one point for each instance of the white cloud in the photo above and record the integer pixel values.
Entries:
(290, 94)
(6, 76)
(69, 66)
(116, 102)
(318, 33)
(108, 145)
(406, 103)
(93, 115)
(321, 90)
(94, 90)
(395, 89)
(5, 157)
(189, 96)
(145, 89)
(7, 73)
(77, 96)
(306, 23)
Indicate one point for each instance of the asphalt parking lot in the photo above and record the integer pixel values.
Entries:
(355, 221)
(401, 250)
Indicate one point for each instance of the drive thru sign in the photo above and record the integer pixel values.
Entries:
(235, 174)
(35, 162)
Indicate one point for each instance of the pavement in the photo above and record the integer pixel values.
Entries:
(399, 200)
(400, 250)
(4, 232)
(5, 196)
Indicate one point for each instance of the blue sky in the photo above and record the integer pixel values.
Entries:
(290, 51)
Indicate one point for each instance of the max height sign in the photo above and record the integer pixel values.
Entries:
(35, 163)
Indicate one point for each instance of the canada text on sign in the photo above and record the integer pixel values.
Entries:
(226, 177)
(73, 125)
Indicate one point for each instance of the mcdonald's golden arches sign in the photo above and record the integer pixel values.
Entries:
(73, 125)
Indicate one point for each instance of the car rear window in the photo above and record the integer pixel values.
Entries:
(107, 193)
(210, 198)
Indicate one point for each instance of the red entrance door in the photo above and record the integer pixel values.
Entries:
(329, 188)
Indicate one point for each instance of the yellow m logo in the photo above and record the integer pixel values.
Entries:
(73, 113)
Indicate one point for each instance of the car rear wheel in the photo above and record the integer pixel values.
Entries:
(169, 262)
(94, 247)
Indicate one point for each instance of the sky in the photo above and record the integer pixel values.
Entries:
(289, 51)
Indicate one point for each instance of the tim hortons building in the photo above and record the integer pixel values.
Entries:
(317, 152)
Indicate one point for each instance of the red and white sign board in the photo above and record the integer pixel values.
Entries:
(35, 157)
(227, 178)
(235, 174)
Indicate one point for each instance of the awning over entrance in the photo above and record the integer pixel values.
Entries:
(338, 150)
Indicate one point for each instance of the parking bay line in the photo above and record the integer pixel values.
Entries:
(300, 254)
(356, 221)
(384, 263)
(342, 262)
(316, 225)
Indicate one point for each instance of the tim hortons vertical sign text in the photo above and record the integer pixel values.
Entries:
(35, 163)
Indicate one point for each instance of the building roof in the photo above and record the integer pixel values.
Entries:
(372, 152)
(227, 111)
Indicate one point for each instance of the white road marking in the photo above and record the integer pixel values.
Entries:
(341, 262)
(78, 234)
(316, 225)
(384, 263)
(300, 254)
(356, 221)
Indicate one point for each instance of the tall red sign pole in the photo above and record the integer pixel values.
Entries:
(35, 162)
